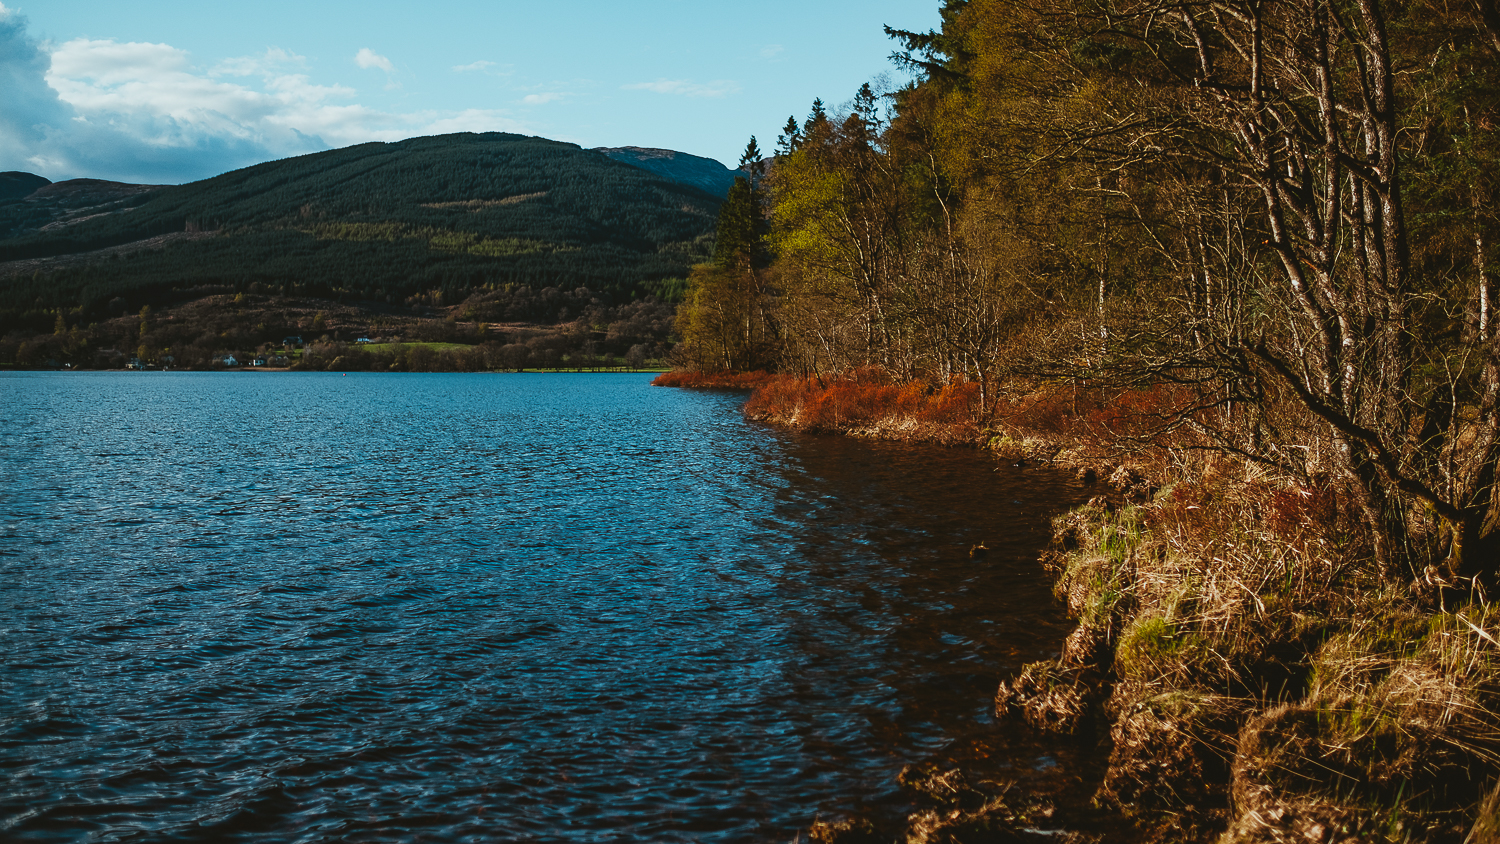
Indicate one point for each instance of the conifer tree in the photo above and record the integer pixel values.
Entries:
(725, 320)
(790, 138)
(816, 120)
(736, 240)
(752, 164)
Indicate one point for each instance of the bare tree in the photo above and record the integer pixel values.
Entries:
(1294, 103)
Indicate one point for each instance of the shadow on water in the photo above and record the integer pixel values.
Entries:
(882, 564)
(474, 607)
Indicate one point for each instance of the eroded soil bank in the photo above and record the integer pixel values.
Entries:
(1240, 668)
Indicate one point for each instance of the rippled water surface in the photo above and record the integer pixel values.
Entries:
(269, 607)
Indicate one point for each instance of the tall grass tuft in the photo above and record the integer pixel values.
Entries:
(1258, 670)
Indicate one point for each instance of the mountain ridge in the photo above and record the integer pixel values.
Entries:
(706, 174)
(67, 200)
(440, 216)
(15, 184)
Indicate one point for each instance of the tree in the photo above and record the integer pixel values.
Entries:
(636, 357)
(752, 163)
(1289, 112)
(790, 138)
(726, 319)
(839, 229)
(817, 119)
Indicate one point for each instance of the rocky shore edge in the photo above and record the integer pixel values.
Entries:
(1245, 672)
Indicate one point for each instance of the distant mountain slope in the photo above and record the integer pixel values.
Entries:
(54, 205)
(17, 185)
(705, 174)
(437, 216)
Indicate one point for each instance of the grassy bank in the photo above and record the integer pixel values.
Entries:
(1251, 676)
(713, 380)
(1249, 673)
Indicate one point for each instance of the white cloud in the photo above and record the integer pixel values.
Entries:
(472, 67)
(111, 62)
(771, 51)
(367, 58)
(682, 87)
(145, 112)
(272, 61)
(543, 99)
(139, 84)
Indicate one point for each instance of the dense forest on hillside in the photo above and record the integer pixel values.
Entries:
(1249, 245)
(438, 218)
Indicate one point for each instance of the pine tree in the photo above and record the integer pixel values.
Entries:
(737, 239)
(752, 163)
(790, 137)
(817, 119)
(866, 110)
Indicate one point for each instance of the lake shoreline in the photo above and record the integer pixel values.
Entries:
(1219, 705)
(294, 369)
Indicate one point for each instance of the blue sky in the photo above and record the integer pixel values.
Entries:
(168, 91)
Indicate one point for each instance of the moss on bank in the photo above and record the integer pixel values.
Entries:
(1257, 682)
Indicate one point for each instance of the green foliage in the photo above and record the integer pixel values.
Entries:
(442, 240)
(1153, 645)
(667, 289)
(740, 228)
(723, 321)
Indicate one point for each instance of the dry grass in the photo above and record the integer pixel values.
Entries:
(866, 403)
(1263, 672)
(713, 380)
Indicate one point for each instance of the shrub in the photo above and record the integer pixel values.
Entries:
(866, 401)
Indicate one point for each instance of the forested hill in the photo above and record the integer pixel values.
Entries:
(14, 185)
(438, 217)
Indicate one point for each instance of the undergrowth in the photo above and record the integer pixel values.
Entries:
(867, 403)
(712, 380)
(1254, 669)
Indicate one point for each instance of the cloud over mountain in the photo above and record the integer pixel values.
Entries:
(143, 112)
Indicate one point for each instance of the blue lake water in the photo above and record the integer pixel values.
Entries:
(480, 607)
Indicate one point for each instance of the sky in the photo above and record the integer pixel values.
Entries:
(169, 91)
